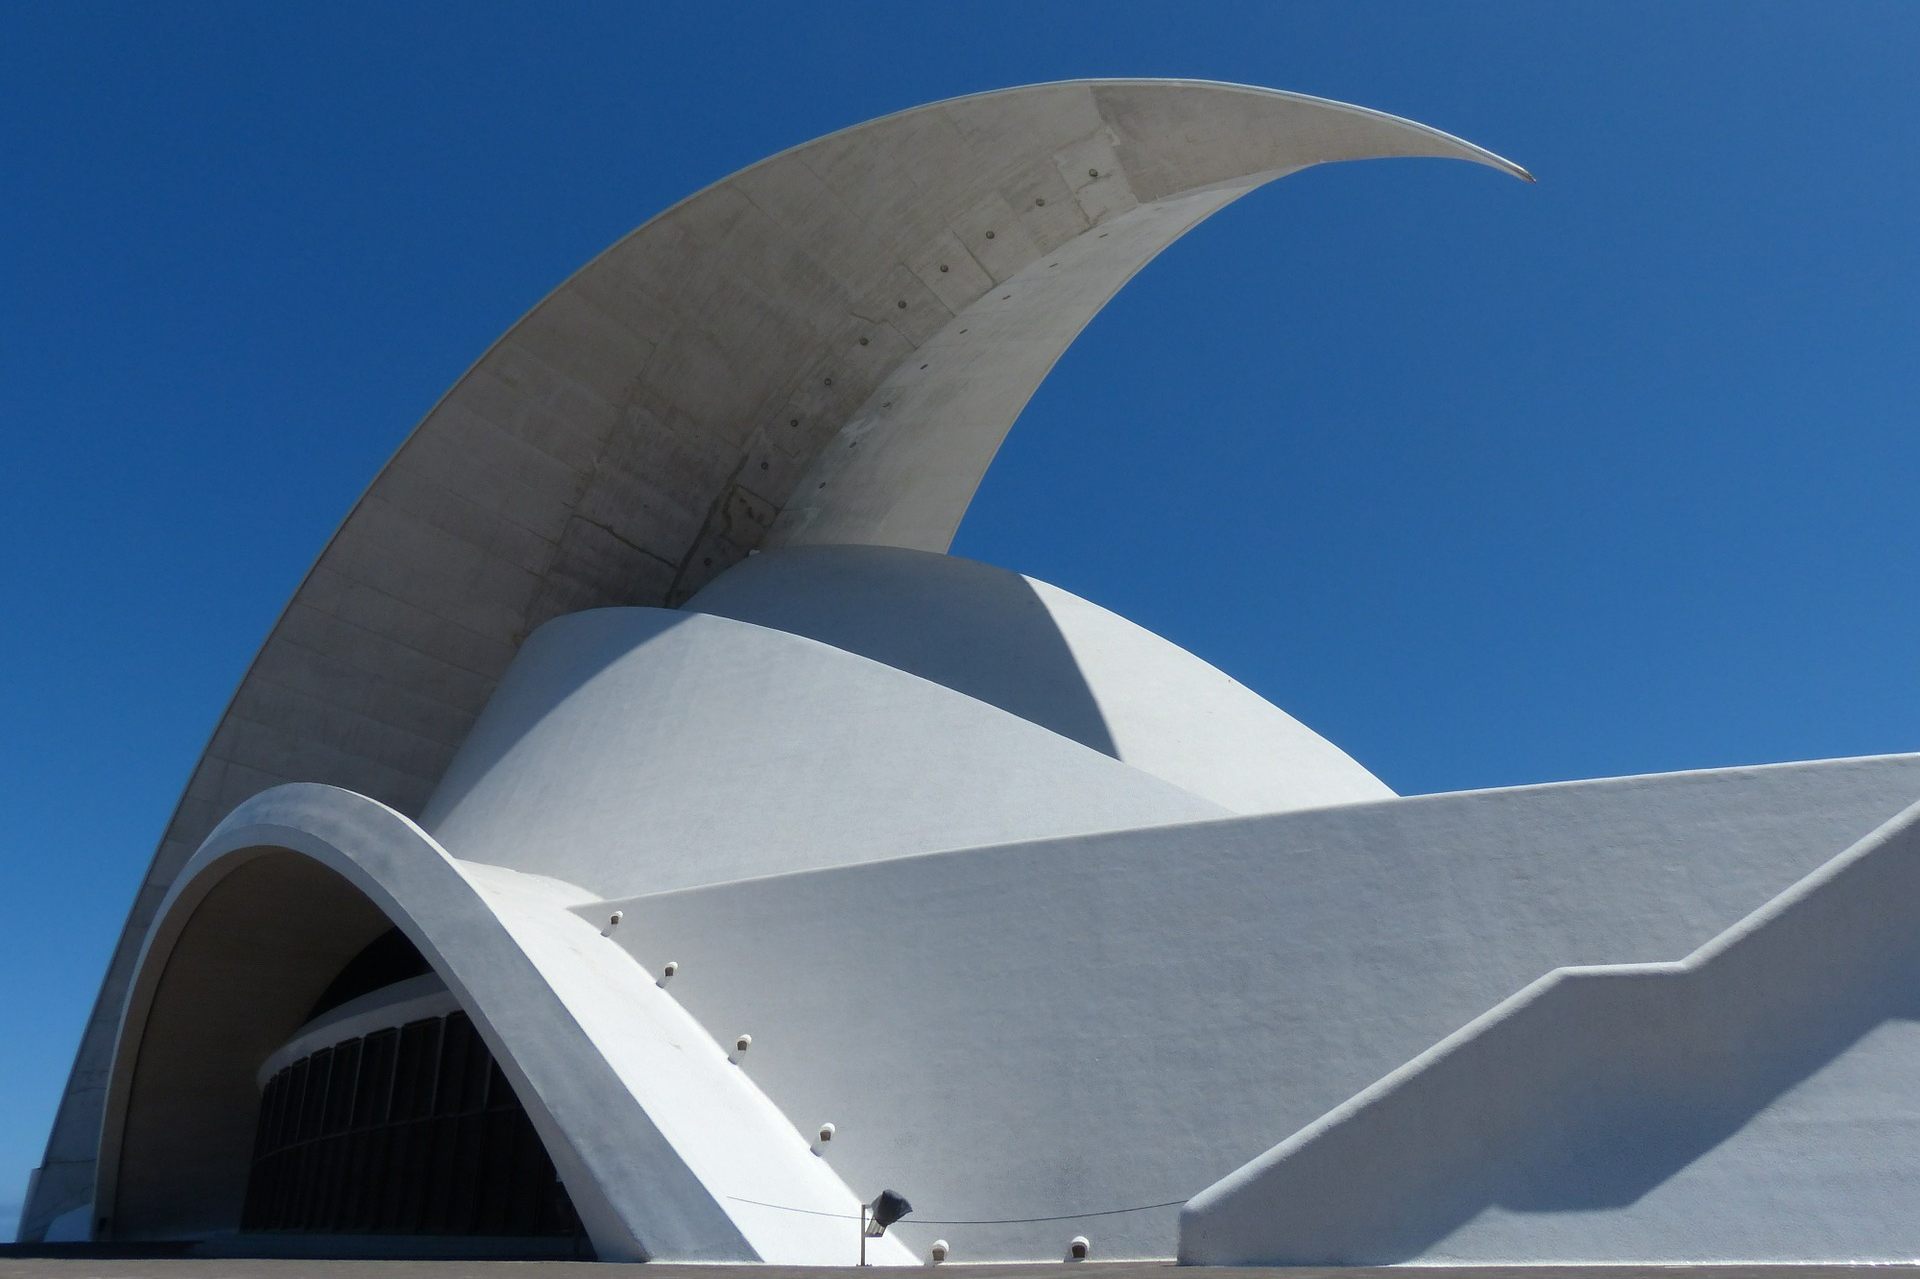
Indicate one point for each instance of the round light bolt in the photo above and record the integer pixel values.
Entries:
(938, 1252)
(1078, 1249)
(743, 1043)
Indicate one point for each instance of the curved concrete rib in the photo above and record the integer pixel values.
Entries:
(1569, 1104)
(661, 1141)
(826, 346)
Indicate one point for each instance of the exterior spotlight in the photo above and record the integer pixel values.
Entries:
(1077, 1250)
(826, 1133)
(887, 1207)
(613, 920)
(938, 1252)
(743, 1043)
(672, 967)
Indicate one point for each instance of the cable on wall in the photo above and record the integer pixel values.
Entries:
(980, 1221)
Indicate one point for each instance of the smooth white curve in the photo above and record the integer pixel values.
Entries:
(659, 1140)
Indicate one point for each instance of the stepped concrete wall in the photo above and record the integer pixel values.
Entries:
(1751, 1102)
(1111, 1020)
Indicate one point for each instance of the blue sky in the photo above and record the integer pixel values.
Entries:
(1490, 483)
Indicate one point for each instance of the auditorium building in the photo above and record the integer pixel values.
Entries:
(639, 839)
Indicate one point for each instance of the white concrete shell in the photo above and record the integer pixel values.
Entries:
(825, 347)
(1053, 659)
(642, 750)
(1060, 931)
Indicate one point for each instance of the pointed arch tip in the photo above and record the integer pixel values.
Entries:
(1463, 149)
(1494, 160)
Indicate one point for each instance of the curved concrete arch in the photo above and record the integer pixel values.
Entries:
(826, 346)
(656, 1136)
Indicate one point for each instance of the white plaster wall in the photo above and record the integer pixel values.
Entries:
(637, 750)
(1118, 1019)
(1753, 1101)
(1048, 656)
(743, 1152)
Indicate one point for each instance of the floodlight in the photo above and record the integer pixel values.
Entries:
(887, 1207)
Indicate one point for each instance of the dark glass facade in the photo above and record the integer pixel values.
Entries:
(410, 1131)
(387, 959)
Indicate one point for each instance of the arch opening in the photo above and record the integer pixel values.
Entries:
(301, 1080)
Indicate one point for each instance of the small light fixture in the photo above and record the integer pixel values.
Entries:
(671, 967)
(743, 1043)
(1077, 1250)
(826, 1133)
(887, 1207)
(613, 920)
(938, 1252)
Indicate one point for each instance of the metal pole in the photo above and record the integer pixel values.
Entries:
(863, 1234)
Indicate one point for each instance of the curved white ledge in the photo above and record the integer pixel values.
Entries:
(656, 1136)
(411, 1000)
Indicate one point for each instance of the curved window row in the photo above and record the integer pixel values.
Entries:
(409, 1131)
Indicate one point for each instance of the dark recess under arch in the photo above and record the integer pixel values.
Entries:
(411, 1130)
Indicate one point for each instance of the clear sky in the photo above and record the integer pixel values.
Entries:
(1490, 483)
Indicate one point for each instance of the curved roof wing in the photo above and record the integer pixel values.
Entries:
(827, 346)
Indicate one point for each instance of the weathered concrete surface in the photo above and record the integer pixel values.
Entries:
(827, 346)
